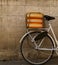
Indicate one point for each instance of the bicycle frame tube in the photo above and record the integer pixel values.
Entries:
(53, 34)
(39, 48)
(25, 35)
(55, 48)
(32, 39)
(56, 41)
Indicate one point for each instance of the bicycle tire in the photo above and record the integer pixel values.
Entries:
(24, 53)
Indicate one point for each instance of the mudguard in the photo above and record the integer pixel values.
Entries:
(41, 35)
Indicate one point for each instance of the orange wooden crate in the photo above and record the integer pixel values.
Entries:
(34, 20)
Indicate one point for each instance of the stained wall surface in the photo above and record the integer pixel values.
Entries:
(12, 22)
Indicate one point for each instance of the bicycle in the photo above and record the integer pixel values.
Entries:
(38, 46)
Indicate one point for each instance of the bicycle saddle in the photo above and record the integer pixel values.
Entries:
(49, 17)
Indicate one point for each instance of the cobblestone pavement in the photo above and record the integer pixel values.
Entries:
(53, 61)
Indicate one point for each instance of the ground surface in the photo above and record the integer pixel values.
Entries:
(53, 61)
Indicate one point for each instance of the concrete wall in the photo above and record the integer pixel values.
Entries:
(12, 22)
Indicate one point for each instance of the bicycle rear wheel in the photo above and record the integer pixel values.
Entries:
(36, 56)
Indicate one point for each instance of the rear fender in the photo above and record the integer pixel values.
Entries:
(41, 35)
(25, 35)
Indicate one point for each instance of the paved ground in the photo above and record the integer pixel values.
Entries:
(53, 61)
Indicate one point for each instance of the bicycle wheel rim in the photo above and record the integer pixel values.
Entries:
(31, 61)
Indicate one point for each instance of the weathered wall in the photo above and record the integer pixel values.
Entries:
(12, 21)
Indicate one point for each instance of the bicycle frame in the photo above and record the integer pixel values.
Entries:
(50, 28)
(54, 40)
(38, 46)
